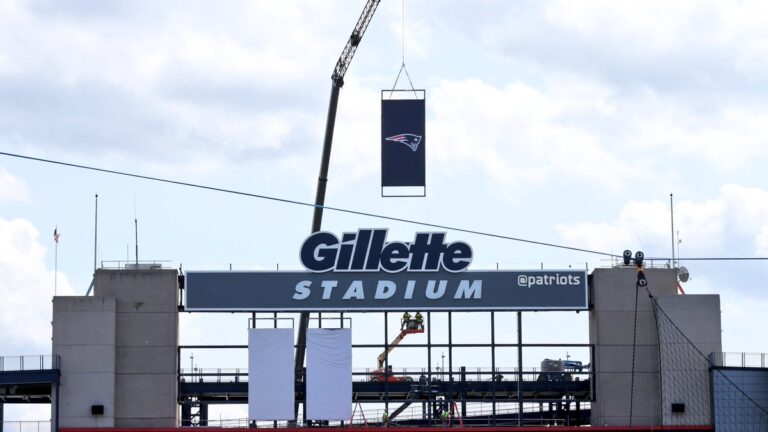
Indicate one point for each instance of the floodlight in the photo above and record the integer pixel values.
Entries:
(641, 280)
(627, 256)
(639, 258)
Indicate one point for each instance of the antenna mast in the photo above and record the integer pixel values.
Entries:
(136, 234)
(95, 232)
(672, 223)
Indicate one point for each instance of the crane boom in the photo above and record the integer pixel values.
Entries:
(411, 326)
(337, 81)
(354, 40)
(383, 356)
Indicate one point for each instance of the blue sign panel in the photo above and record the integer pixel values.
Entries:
(403, 142)
(379, 291)
(362, 271)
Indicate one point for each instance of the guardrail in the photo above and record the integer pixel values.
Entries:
(743, 359)
(234, 375)
(134, 265)
(374, 416)
(29, 363)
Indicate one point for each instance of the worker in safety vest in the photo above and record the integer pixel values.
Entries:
(445, 416)
(419, 320)
(406, 320)
(385, 418)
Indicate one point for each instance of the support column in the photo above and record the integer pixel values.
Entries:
(493, 369)
(450, 400)
(429, 368)
(186, 415)
(203, 414)
(519, 369)
(56, 412)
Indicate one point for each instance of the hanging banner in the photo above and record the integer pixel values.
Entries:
(403, 144)
(270, 374)
(329, 374)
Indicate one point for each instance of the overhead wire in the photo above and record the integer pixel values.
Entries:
(359, 212)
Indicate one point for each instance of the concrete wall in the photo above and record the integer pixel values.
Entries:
(611, 325)
(84, 338)
(689, 330)
(670, 358)
(145, 343)
(118, 349)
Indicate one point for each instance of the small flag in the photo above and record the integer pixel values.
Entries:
(56, 234)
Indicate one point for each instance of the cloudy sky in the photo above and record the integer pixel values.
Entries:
(559, 121)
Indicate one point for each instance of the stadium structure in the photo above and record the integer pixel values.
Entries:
(655, 363)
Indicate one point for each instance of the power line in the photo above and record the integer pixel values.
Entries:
(679, 259)
(361, 213)
(305, 204)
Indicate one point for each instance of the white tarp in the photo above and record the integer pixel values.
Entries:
(329, 374)
(270, 374)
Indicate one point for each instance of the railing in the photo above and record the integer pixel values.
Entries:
(26, 426)
(235, 375)
(475, 412)
(743, 359)
(214, 375)
(133, 264)
(374, 416)
(28, 363)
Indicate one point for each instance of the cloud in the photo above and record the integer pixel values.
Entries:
(26, 288)
(522, 134)
(741, 320)
(12, 188)
(172, 83)
(735, 223)
(677, 48)
(686, 80)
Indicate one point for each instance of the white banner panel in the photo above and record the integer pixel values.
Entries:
(329, 374)
(270, 374)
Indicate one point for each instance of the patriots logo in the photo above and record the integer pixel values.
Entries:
(411, 140)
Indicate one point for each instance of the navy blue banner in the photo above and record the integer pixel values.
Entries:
(539, 290)
(403, 143)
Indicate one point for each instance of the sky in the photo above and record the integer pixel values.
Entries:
(558, 121)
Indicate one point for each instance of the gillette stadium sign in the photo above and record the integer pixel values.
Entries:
(362, 271)
(368, 251)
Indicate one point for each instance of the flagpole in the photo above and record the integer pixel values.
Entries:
(56, 236)
(95, 233)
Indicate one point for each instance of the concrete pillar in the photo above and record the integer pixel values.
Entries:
(611, 330)
(84, 338)
(145, 345)
(689, 331)
(118, 349)
(669, 367)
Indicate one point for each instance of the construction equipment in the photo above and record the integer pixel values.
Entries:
(560, 370)
(409, 326)
(337, 81)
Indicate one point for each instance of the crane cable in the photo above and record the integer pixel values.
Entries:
(402, 66)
